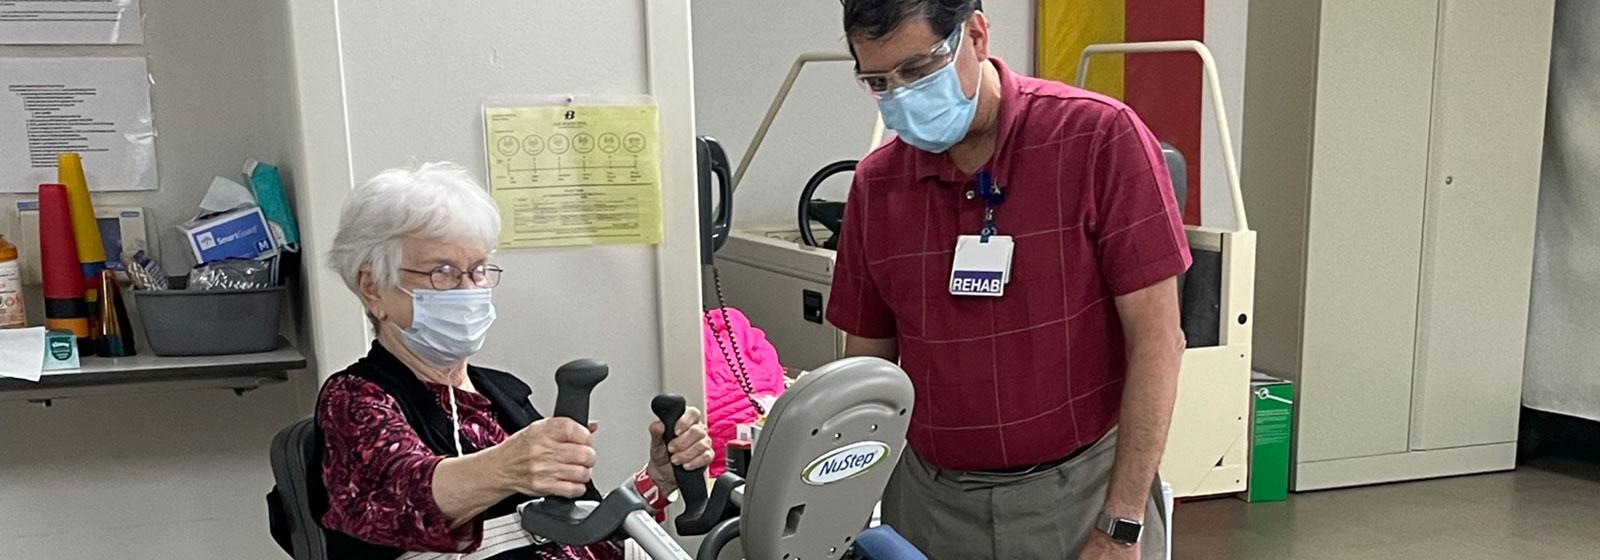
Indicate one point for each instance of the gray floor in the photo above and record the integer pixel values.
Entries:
(1549, 508)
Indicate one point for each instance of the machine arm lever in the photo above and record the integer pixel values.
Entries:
(562, 519)
(701, 512)
(574, 382)
(623, 512)
(669, 409)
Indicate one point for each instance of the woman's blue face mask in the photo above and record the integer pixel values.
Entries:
(932, 113)
(448, 326)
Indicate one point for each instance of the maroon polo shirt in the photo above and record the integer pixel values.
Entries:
(1034, 375)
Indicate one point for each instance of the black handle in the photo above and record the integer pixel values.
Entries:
(722, 224)
(669, 408)
(715, 182)
(574, 382)
(557, 518)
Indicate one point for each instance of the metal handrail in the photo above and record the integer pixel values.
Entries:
(777, 103)
(1216, 101)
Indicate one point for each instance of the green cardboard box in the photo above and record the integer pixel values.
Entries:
(1271, 433)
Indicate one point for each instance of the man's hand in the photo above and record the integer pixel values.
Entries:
(1101, 547)
(1155, 346)
(691, 449)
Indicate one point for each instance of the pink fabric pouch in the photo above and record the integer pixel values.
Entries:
(726, 403)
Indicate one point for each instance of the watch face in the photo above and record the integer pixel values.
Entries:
(1126, 531)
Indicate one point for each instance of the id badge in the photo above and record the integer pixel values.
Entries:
(981, 269)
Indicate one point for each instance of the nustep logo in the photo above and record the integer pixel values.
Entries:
(845, 462)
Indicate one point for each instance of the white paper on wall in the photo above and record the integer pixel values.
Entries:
(98, 107)
(71, 22)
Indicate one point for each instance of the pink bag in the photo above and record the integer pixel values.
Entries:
(727, 405)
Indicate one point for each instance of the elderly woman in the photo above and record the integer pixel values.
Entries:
(424, 452)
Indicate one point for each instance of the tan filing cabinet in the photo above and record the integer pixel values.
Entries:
(1392, 155)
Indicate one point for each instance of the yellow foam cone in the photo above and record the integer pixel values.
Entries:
(85, 231)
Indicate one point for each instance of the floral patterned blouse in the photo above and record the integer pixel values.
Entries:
(379, 473)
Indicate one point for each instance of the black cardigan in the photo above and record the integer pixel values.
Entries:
(512, 409)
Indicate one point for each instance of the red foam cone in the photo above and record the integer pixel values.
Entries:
(58, 252)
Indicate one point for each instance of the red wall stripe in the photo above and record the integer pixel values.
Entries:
(1165, 89)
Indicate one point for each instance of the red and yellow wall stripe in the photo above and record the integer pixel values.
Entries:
(1164, 88)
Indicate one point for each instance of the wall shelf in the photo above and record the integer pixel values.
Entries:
(150, 373)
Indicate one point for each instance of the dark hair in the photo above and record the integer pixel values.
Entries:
(873, 19)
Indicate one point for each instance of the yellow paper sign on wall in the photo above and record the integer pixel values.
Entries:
(575, 174)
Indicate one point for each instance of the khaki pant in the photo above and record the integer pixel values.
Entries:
(1046, 515)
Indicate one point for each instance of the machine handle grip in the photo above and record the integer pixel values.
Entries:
(669, 408)
(722, 223)
(574, 382)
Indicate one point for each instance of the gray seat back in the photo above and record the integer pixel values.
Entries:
(292, 452)
(1200, 287)
(1179, 170)
(824, 458)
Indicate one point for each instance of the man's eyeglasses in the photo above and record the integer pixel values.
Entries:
(881, 85)
(446, 277)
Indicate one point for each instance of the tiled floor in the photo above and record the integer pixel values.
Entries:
(1548, 508)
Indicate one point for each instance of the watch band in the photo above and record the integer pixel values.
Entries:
(1121, 529)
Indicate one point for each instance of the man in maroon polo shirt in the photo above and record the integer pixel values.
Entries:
(1016, 248)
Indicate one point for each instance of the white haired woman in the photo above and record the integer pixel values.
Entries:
(424, 452)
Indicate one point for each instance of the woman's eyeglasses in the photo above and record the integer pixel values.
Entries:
(446, 277)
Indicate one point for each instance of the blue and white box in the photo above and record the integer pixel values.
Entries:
(240, 234)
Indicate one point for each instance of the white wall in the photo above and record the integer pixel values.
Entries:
(166, 475)
(212, 72)
(178, 475)
(743, 50)
(404, 82)
(337, 92)
(1226, 21)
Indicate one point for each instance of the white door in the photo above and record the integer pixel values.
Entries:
(1363, 248)
(1483, 187)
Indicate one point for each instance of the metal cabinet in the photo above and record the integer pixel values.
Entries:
(1394, 181)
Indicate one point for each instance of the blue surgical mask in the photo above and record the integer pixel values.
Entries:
(932, 113)
(448, 326)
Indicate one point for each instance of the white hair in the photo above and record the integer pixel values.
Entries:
(436, 201)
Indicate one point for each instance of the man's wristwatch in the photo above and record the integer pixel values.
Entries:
(1122, 530)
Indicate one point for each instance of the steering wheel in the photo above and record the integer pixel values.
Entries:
(830, 213)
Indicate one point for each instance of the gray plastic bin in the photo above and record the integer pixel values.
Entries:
(210, 323)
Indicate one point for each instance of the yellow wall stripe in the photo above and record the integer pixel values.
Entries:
(1067, 26)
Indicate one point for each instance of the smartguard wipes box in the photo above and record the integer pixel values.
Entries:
(240, 234)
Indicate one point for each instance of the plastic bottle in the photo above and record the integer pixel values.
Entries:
(12, 314)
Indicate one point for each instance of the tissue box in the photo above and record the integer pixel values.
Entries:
(60, 350)
(240, 234)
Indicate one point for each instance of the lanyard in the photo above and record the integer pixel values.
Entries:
(992, 196)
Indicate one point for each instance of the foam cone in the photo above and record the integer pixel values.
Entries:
(85, 229)
(64, 305)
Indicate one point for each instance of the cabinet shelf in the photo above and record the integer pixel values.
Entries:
(150, 373)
